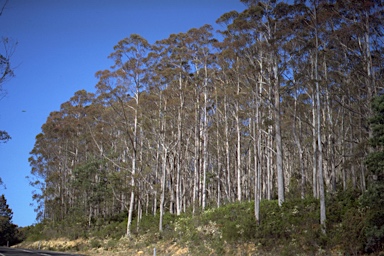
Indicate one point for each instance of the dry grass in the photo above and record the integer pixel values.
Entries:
(123, 246)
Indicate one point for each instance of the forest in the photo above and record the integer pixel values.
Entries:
(275, 106)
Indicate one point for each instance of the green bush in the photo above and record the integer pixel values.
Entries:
(112, 243)
(236, 221)
(294, 225)
(34, 233)
(149, 223)
(372, 202)
(354, 225)
(113, 230)
(95, 243)
(345, 221)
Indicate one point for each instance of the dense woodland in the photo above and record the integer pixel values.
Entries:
(275, 105)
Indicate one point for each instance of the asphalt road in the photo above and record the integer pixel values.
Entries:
(5, 251)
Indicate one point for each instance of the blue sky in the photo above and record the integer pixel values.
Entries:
(61, 45)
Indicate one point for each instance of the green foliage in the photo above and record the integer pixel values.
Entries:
(292, 229)
(236, 221)
(372, 200)
(95, 243)
(115, 230)
(91, 180)
(373, 204)
(112, 243)
(9, 232)
(345, 221)
(149, 224)
(76, 227)
(35, 232)
(197, 233)
(295, 226)
(375, 164)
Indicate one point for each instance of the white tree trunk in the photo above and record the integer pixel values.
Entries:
(279, 149)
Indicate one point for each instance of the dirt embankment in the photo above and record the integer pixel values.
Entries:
(94, 247)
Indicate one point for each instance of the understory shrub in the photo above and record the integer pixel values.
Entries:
(354, 226)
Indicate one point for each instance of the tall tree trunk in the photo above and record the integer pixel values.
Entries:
(256, 157)
(238, 147)
(279, 149)
(205, 138)
(314, 148)
(300, 150)
(196, 161)
(218, 155)
(179, 152)
(227, 152)
(163, 180)
(133, 173)
(164, 162)
(318, 127)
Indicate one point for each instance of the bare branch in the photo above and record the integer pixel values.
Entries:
(3, 7)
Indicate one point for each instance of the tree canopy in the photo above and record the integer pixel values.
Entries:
(7, 48)
(8, 231)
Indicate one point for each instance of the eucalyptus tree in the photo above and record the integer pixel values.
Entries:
(239, 49)
(254, 34)
(300, 32)
(199, 43)
(348, 31)
(262, 19)
(88, 176)
(189, 119)
(63, 145)
(175, 68)
(243, 52)
(229, 82)
(225, 88)
(358, 36)
(48, 163)
(222, 94)
(166, 74)
(125, 81)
